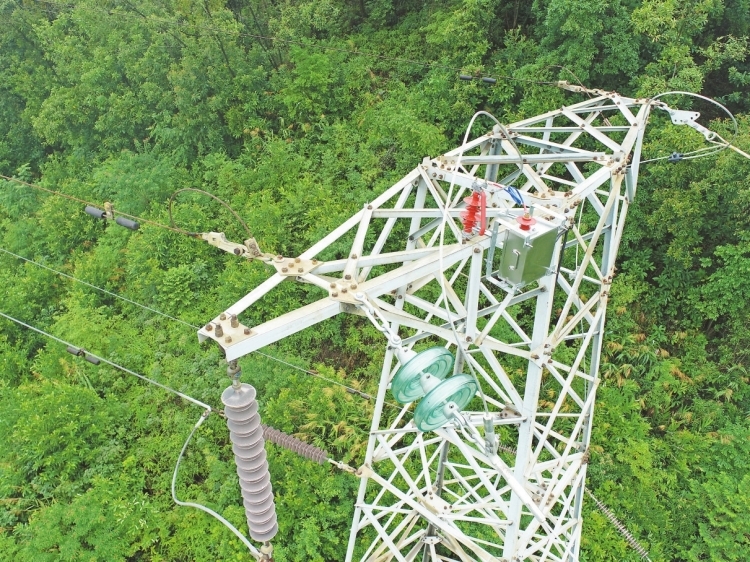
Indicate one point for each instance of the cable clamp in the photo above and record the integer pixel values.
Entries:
(345, 467)
(248, 249)
(109, 214)
(80, 352)
(683, 117)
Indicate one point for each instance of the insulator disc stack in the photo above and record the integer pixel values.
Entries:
(248, 445)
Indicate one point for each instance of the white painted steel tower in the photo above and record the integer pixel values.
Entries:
(501, 253)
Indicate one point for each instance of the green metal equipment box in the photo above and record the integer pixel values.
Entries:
(527, 255)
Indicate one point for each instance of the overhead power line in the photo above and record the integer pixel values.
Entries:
(108, 362)
(348, 389)
(89, 203)
(110, 293)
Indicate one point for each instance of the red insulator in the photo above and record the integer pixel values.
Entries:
(526, 221)
(477, 202)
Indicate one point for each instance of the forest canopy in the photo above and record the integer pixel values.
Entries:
(296, 112)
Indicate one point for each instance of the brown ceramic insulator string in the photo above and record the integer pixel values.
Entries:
(627, 535)
(311, 452)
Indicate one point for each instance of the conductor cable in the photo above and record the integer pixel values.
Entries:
(212, 196)
(348, 389)
(446, 217)
(89, 203)
(110, 293)
(108, 362)
(254, 551)
(705, 151)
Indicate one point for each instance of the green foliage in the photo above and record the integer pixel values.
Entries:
(127, 102)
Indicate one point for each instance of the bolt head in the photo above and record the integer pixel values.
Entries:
(300, 270)
(228, 339)
(353, 286)
(297, 260)
(222, 316)
(347, 277)
(284, 270)
(344, 290)
(334, 294)
(246, 331)
(209, 327)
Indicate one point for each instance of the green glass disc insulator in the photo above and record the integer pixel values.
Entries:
(431, 412)
(406, 386)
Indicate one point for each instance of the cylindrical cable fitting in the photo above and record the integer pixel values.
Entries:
(488, 80)
(94, 212)
(248, 446)
(91, 359)
(127, 223)
(465, 77)
(82, 353)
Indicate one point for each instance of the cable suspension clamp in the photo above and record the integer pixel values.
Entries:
(378, 320)
(689, 118)
(80, 352)
(109, 214)
(249, 249)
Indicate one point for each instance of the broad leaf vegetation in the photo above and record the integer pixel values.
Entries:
(296, 112)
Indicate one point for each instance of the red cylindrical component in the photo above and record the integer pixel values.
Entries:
(525, 221)
(482, 213)
(476, 203)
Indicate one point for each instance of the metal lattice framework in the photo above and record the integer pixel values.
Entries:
(534, 348)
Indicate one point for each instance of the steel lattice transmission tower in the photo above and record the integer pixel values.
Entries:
(520, 305)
